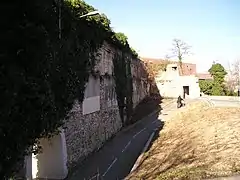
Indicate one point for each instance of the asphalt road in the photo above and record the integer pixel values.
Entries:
(116, 159)
(225, 103)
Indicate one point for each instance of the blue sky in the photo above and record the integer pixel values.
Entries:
(211, 27)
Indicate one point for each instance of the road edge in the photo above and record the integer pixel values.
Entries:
(146, 146)
(207, 100)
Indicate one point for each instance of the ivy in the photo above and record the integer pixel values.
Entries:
(129, 92)
(41, 74)
(124, 88)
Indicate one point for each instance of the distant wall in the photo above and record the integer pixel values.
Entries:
(140, 83)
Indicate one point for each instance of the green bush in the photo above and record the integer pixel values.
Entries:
(215, 87)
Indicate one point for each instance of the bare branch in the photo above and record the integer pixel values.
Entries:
(180, 49)
(234, 75)
(167, 57)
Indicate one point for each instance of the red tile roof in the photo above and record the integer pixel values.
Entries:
(187, 68)
(152, 60)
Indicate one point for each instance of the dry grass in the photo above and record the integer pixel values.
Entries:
(197, 143)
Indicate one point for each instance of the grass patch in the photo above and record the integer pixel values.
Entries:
(197, 142)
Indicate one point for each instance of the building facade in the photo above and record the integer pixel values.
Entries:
(177, 79)
(172, 83)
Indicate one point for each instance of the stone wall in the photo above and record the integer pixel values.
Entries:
(86, 133)
(140, 83)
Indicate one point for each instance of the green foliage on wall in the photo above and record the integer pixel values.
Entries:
(42, 74)
(121, 37)
(124, 86)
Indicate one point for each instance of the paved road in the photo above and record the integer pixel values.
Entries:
(171, 108)
(226, 103)
(223, 103)
(117, 157)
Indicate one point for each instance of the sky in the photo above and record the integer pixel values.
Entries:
(210, 27)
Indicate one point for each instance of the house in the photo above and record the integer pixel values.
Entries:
(90, 123)
(177, 79)
(172, 83)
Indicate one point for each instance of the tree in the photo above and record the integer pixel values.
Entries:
(180, 50)
(206, 86)
(234, 75)
(218, 72)
(218, 89)
(236, 70)
(218, 86)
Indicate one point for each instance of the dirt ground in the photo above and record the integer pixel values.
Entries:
(198, 142)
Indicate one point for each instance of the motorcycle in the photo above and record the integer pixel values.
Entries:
(181, 104)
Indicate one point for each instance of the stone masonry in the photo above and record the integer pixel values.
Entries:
(87, 133)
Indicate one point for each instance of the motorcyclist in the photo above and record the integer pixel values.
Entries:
(180, 101)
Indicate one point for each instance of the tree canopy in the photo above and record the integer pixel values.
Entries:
(218, 73)
(216, 86)
(180, 50)
(206, 86)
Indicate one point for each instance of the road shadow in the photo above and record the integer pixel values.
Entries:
(148, 105)
(152, 102)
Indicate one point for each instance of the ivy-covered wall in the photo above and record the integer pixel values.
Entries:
(48, 52)
(86, 133)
